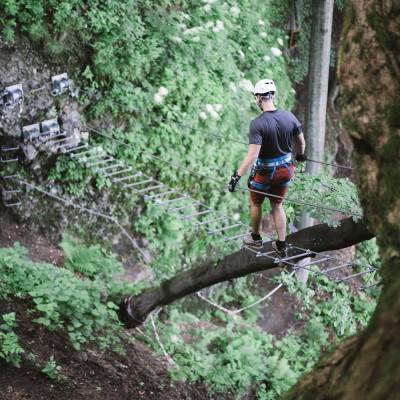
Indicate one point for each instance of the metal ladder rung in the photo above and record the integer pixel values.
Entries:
(12, 204)
(127, 178)
(192, 204)
(306, 253)
(130, 185)
(122, 171)
(149, 188)
(105, 161)
(11, 176)
(163, 203)
(8, 161)
(363, 287)
(225, 228)
(110, 167)
(7, 149)
(5, 191)
(228, 238)
(158, 195)
(211, 221)
(368, 271)
(267, 254)
(58, 141)
(190, 216)
(84, 146)
(348, 264)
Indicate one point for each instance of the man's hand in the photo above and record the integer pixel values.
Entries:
(301, 157)
(233, 182)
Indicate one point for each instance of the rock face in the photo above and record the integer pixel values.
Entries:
(21, 64)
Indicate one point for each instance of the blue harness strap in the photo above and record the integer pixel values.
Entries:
(270, 165)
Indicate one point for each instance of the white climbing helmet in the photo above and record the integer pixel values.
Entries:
(264, 86)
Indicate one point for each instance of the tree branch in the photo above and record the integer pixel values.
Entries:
(318, 238)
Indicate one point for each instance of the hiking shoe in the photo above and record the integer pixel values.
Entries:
(280, 248)
(249, 241)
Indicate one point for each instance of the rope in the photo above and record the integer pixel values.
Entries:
(69, 203)
(239, 310)
(175, 165)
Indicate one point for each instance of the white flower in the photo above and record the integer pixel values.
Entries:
(193, 31)
(203, 115)
(207, 8)
(209, 24)
(241, 55)
(267, 58)
(176, 39)
(209, 108)
(292, 90)
(163, 91)
(158, 98)
(196, 39)
(219, 25)
(214, 114)
(235, 11)
(218, 107)
(280, 41)
(233, 87)
(215, 29)
(247, 85)
(211, 1)
(263, 34)
(276, 52)
(236, 217)
(260, 22)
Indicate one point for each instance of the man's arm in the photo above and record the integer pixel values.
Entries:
(299, 143)
(251, 157)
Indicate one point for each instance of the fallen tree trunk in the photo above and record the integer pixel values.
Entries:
(317, 238)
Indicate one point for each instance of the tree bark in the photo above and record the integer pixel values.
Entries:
(368, 366)
(317, 95)
(243, 262)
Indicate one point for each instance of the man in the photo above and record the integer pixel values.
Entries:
(271, 137)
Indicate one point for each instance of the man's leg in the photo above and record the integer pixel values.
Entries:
(255, 215)
(279, 217)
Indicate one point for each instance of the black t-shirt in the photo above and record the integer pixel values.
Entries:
(274, 131)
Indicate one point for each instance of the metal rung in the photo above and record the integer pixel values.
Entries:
(84, 146)
(58, 141)
(8, 161)
(163, 203)
(196, 214)
(228, 238)
(149, 188)
(138, 183)
(223, 229)
(368, 271)
(211, 221)
(12, 204)
(5, 191)
(336, 268)
(122, 171)
(6, 149)
(127, 178)
(195, 203)
(155, 196)
(110, 167)
(55, 136)
(11, 176)
(105, 161)
(308, 252)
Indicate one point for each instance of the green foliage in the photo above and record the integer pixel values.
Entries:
(90, 261)
(10, 350)
(61, 299)
(52, 370)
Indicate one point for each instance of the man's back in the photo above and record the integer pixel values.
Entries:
(274, 131)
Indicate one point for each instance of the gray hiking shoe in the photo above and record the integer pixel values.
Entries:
(249, 241)
(279, 248)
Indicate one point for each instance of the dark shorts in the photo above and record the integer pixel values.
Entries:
(272, 181)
